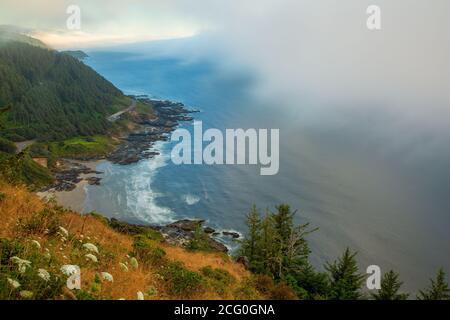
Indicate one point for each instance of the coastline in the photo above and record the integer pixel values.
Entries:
(74, 174)
(74, 199)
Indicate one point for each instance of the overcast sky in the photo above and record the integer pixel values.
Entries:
(302, 49)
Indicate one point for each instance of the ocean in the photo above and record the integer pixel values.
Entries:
(359, 191)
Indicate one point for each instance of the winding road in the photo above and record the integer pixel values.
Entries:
(117, 115)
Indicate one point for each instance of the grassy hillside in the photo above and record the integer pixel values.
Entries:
(48, 237)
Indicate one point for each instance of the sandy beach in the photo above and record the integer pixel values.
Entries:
(74, 199)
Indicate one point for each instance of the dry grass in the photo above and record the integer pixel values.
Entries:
(114, 248)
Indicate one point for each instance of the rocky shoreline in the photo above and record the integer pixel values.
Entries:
(136, 145)
(179, 233)
(133, 147)
(69, 173)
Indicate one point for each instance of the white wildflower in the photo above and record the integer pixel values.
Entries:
(63, 232)
(36, 244)
(121, 299)
(123, 266)
(44, 275)
(91, 257)
(69, 269)
(13, 283)
(21, 263)
(90, 247)
(107, 276)
(140, 295)
(26, 294)
(134, 263)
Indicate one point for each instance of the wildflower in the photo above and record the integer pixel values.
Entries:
(91, 257)
(90, 247)
(123, 266)
(134, 263)
(140, 295)
(107, 276)
(21, 263)
(63, 232)
(36, 244)
(69, 269)
(26, 294)
(13, 283)
(43, 274)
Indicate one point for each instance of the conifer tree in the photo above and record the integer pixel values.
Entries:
(345, 279)
(390, 286)
(251, 245)
(438, 289)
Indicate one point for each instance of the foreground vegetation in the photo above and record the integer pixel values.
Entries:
(38, 239)
(277, 248)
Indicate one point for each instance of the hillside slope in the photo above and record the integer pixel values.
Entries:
(47, 237)
(51, 95)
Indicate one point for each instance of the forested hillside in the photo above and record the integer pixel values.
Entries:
(50, 95)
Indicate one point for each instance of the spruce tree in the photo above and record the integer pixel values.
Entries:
(390, 286)
(438, 289)
(251, 245)
(345, 279)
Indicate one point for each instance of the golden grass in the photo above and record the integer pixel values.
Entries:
(114, 248)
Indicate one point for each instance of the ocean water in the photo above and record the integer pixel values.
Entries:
(358, 192)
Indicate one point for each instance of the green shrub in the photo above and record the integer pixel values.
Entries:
(218, 274)
(181, 281)
(199, 242)
(146, 251)
(218, 279)
(29, 280)
(8, 249)
(2, 196)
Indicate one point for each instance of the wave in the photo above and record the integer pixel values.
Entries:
(141, 199)
(191, 199)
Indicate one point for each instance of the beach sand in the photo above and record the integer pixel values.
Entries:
(75, 199)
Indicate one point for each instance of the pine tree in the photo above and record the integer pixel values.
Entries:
(345, 279)
(315, 283)
(250, 246)
(270, 251)
(390, 285)
(291, 250)
(438, 289)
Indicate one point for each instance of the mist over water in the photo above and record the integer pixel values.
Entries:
(364, 181)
